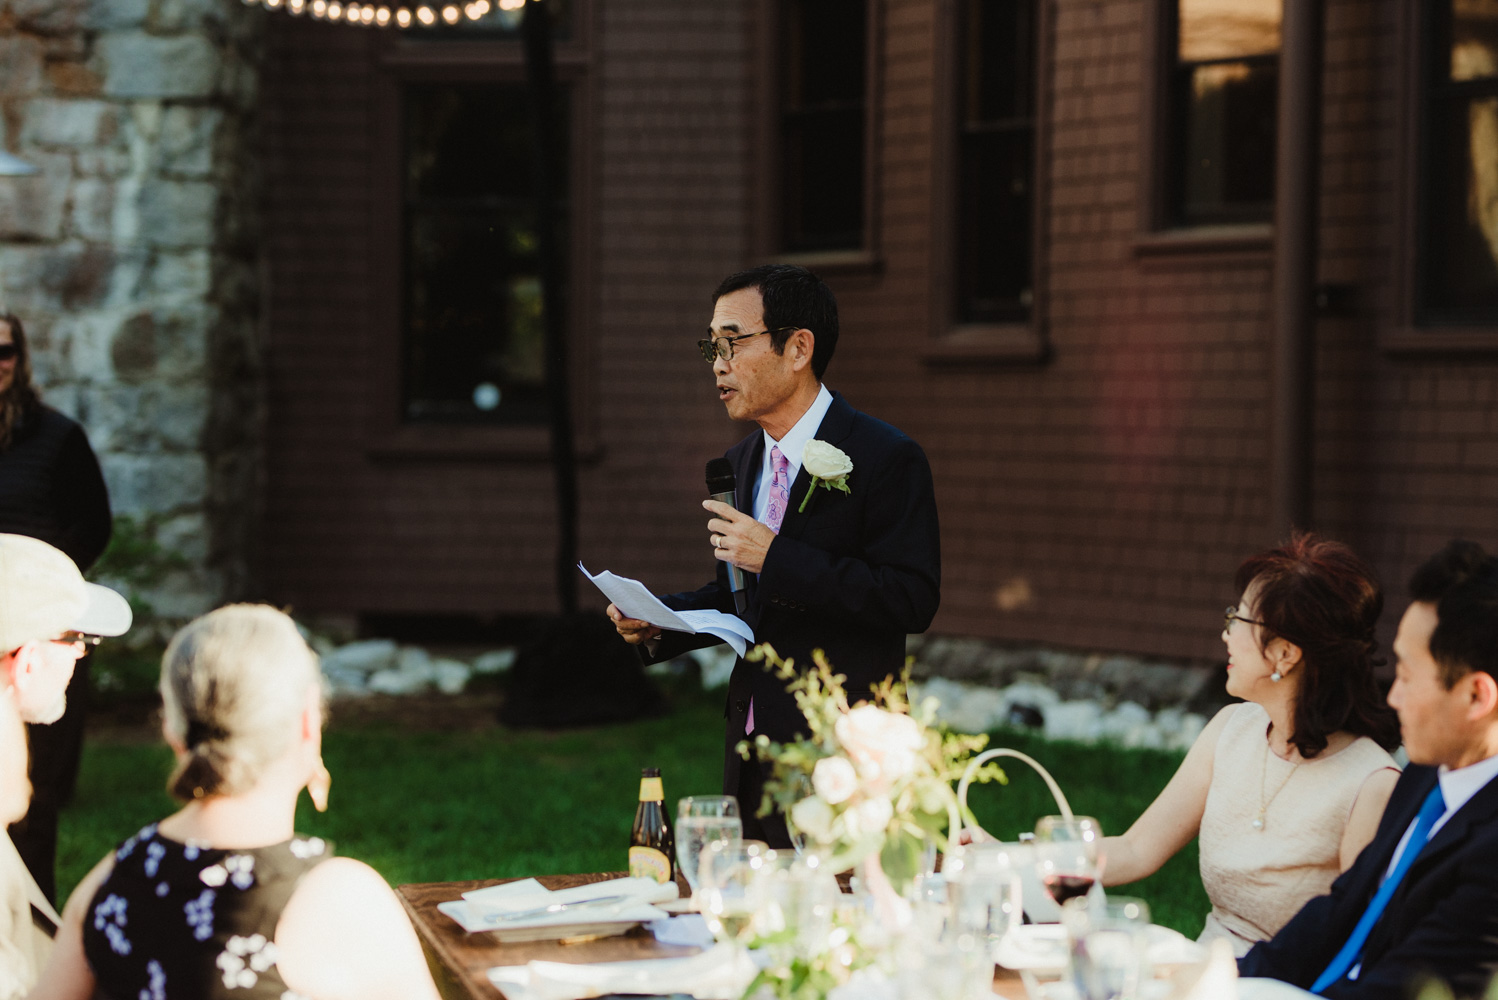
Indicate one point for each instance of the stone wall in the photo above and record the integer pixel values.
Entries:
(131, 256)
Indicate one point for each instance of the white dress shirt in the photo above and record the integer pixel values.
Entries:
(791, 447)
(1457, 788)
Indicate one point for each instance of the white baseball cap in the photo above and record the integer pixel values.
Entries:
(43, 596)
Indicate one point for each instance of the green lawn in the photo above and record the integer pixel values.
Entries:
(432, 806)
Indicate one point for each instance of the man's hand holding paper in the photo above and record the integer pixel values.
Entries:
(639, 611)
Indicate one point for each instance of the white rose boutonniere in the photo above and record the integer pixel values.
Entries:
(829, 467)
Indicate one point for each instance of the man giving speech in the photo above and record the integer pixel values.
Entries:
(841, 552)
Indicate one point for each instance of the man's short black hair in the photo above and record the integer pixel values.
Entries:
(1461, 581)
(794, 299)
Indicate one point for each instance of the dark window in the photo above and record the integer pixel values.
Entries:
(822, 124)
(1457, 257)
(996, 160)
(1223, 90)
(472, 321)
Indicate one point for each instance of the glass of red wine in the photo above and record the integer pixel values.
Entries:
(1067, 855)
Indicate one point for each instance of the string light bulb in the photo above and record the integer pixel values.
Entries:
(367, 13)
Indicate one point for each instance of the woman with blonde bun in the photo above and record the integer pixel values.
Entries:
(222, 899)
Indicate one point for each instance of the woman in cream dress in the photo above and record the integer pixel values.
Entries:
(1287, 788)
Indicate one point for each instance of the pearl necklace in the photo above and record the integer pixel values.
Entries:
(1264, 803)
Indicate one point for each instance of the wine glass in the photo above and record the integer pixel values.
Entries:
(1109, 946)
(983, 894)
(703, 820)
(1067, 868)
(728, 895)
(1083, 830)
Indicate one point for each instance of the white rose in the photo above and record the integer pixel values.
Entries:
(874, 814)
(834, 779)
(813, 817)
(824, 461)
(883, 745)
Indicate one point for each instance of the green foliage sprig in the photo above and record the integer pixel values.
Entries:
(872, 777)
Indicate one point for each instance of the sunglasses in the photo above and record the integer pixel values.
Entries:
(9, 352)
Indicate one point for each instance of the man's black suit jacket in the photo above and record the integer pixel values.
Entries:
(852, 575)
(1442, 920)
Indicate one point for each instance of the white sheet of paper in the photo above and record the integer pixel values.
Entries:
(635, 600)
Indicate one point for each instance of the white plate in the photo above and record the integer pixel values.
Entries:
(1034, 948)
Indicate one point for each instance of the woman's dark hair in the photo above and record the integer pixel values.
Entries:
(794, 299)
(22, 399)
(1317, 594)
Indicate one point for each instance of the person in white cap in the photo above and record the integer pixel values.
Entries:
(49, 616)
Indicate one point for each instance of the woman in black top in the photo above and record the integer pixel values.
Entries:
(222, 899)
(50, 488)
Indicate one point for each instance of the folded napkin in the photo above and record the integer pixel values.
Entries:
(1045, 947)
(722, 973)
(512, 907)
(688, 930)
(528, 894)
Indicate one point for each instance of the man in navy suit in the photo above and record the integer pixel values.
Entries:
(1421, 901)
(854, 572)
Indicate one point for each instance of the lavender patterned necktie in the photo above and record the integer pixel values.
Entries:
(780, 489)
(780, 498)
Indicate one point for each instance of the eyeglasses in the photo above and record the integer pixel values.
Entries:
(74, 638)
(1231, 615)
(9, 352)
(722, 347)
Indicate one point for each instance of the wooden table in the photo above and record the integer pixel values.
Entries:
(460, 961)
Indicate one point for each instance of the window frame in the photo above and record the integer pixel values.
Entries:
(962, 345)
(1407, 335)
(766, 143)
(404, 61)
(1158, 235)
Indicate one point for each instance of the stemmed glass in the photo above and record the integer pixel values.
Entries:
(728, 895)
(1067, 855)
(1109, 946)
(702, 820)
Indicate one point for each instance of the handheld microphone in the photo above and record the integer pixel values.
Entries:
(721, 487)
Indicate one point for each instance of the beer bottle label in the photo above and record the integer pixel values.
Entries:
(647, 862)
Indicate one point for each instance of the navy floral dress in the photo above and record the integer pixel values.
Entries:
(178, 921)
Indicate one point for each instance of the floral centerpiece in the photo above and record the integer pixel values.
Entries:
(869, 787)
(871, 784)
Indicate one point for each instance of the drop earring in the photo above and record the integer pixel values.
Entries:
(318, 786)
(1276, 676)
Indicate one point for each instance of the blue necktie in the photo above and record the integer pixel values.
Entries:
(1431, 811)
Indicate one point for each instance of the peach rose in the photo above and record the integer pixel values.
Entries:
(883, 745)
(834, 779)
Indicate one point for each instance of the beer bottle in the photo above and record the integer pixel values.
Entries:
(652, 849)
